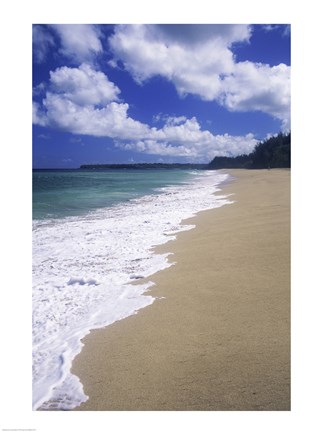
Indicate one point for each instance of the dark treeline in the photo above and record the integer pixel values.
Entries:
(242, 161)
(145, 166)
(271, 153)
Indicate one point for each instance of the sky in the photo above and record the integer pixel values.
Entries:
(156, 93)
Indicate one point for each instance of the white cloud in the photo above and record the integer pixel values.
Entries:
(255, 86)
(84, 102)
(39, 117)
(146, 50)
(198, 60)
(205, 149)
(43, 41)
(111, 121)
(83, 85)
(80, 42)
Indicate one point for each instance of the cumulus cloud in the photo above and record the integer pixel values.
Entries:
(203, 150)
(112, 120)
(84, 102)
(83, 85)
(185, 137)
(146, 50)
(198, 60)
(255, 86)
(79, 42)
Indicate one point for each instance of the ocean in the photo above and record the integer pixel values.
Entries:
(93, 234)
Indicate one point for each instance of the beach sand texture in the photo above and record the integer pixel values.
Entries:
(218, 336)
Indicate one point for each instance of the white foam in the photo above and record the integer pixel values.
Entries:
(83, 269)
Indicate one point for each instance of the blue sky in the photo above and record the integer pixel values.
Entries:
(156, 93)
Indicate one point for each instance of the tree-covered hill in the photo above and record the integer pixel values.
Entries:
(271, 153)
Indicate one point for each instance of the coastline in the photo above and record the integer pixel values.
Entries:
(218, 335)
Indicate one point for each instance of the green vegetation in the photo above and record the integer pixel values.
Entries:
(271, 153)
(243, 161)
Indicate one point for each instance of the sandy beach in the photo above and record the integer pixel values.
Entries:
(218, 336)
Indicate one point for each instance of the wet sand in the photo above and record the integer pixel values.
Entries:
(218, 336)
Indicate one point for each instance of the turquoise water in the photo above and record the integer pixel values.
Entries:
(61, 193)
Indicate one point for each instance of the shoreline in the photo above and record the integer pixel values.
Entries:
(217, 337)
(89, 274)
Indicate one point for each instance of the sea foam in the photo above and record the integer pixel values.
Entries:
(83, 269)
